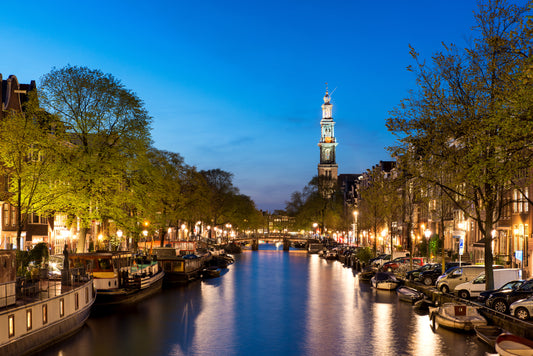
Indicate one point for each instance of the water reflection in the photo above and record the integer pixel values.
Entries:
(270, 302)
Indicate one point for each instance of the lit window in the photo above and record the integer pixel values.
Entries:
(45, 314)
(28, 319)
(11, 325)
(61, 307)
(526, 197)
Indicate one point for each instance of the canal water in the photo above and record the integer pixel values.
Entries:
(269, 302)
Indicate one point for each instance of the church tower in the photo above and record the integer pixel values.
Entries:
(328, 166)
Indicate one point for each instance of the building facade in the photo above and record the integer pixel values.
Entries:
(13, 95)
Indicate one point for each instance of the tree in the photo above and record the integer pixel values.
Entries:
(464, 119)
(27, 157)
(372, 208)
(107, 128)
(220, 192)
(319, 202)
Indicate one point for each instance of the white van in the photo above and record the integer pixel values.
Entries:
(477, 285)
(447, 283)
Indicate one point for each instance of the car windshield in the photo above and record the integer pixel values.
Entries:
(511, 285)
(449, 270)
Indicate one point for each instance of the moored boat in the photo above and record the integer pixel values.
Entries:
(368, 273)
(385, 281)
(38, 313)
(180, 269)
(455, 316)
(488, 333)
(409, 295)
(120, 277)
(512, 345)
(211, 272)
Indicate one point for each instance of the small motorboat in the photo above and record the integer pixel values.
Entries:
(456, 316)
(422, 306)
(509, 344)
(488, 333)
(385, 281)
(211, 272)
(368, 273)
(409, 295)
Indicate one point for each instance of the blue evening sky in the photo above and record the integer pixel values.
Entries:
(237, 85)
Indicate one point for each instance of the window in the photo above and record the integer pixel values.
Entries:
(86, 295)
(6, 214)
(526, 196)
(45, 314)
(515, 201)
(28, 319)
(13, 216)
(76, 301)
(11, 325)
(61, 307)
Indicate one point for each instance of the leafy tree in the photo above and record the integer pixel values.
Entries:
(372, 208)
(107, 128)
(220, 191)
(319, 202)
(464, 118)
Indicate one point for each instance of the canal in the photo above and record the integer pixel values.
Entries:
(269, 302)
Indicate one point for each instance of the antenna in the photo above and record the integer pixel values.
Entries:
(333, 91)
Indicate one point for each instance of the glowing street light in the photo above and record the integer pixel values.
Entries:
(427, 234)
(355, 237)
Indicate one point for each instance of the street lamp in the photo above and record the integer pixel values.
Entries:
(355, 237)
(383, 235)
(427, 233)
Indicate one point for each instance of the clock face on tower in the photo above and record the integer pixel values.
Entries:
(327, 154)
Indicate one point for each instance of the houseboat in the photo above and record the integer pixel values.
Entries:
(120, 277)
(35, 314)
(180, 269)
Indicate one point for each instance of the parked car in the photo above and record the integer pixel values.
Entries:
(500, 301)
(522, 309)
(477, 285)
(402, 261)
(483, 296)
(430, 277)
(459, 275)
(414, 274)
(379, 260)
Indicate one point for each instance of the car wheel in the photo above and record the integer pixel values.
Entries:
(521, 313)
(428, 281)
(445, 289)
(464, 294)
(500, 305)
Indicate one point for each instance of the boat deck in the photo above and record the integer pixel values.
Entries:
(28, 292)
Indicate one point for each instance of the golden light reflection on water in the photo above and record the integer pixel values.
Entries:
(219, 305)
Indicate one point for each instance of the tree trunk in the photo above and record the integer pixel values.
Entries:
(82, 240)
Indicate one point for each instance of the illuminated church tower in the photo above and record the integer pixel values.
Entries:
(327, 166)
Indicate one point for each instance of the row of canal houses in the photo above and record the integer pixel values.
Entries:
(511, 235)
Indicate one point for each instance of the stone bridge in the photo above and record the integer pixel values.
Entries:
(285, 238)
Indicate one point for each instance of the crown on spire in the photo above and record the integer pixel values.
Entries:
(326, 97)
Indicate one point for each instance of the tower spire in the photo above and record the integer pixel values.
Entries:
(328, 165)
